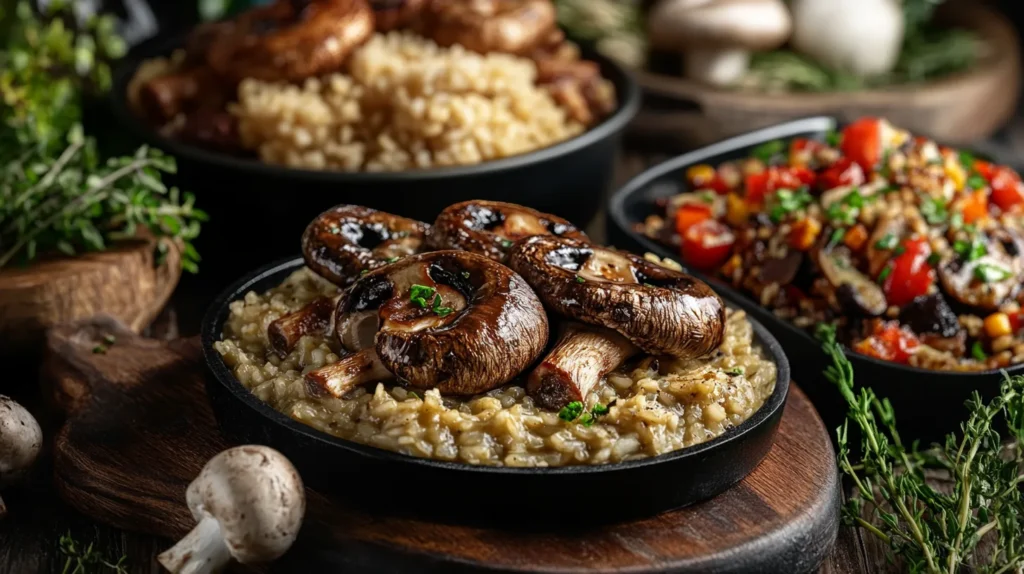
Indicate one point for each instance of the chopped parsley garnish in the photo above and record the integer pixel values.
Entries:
(580, 279)
(970, 250)
(99, 350)
(364, 272)
(506, 243)
(438, 309)
(978, 352)
(886, 272)
(836, 237)
(571, 411)
(854, 198)
(391, 259)
(967, 160)
(420, 294)
(976, 182)
(956, 221)
(834, 138)
(887, 242)
(735, 372)
(787, 201)
(934, 259)
(899, 250)
(599, 410)
(707, 197)
(413, 394)
(845, 211)
(465, 274)
(934, 210)
(767, 151)
(109, 339)
(586, 419)
(987, 273)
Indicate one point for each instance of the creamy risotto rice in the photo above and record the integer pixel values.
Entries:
(656, 405)
(404, 103)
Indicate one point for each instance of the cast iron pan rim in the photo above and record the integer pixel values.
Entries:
(217, 314)
(626, 86)
(617, 211)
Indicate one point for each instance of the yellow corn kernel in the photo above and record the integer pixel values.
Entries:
(997, 325)
(736, 211)
(700, 175)
(955, 172)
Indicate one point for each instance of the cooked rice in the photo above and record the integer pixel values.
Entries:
(405, 103)
(657, 405)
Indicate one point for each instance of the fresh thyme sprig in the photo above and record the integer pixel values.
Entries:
(930, 530)
(56, 193)
(87, 560)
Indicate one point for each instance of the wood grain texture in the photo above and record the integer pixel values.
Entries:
(123, 282)
(139, 429)
(958, 109)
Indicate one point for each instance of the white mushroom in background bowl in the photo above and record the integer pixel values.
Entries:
(717, 37)
(21, 439)
(249, 502)
(862, 37)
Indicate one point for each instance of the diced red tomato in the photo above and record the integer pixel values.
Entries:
(889, 342)
(690, 214)
(707, 244)
(1007, 189)
(843, 172)
(985, 169)
(911, 276)
(1016, 321)
(862, 143)
(760, 185)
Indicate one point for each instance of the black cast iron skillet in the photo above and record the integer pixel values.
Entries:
(928, 403)
(268, 206)
(587, 494)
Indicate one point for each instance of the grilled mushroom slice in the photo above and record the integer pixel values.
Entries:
(491, 227)
(991, 279)
(347, 240)
(449, 320)
(631, 304)
(849, 290)
(315, 317)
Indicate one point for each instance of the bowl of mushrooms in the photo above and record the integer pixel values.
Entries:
(407, 106)
(494, 349)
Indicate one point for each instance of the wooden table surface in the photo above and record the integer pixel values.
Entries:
(29, 536)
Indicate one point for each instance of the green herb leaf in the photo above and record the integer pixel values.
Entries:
(580, 279)
(967, 160)
(934, 259)
(887, 242)
(390, 260)
(934, 210)
(707, 197)
(735, 372)
(571, 411)
(976, 182)
(99, 350)
(599, 410)
(834, 138)
(987, 273)
(421, 294)
(768, 151)
(978, 351)
(956, 221)
(586, 419)
(465, 274)
(886, 272)
(506, 243)
(836, 237)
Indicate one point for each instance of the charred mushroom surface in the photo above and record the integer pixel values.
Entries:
(491, 227)
(315, 317)
(850, 291)
(657, 309)
(988, 277)
(449, 320)
(347, 240)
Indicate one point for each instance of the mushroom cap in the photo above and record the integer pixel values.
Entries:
(659, 310)
(1004, 253)
(490, 227)
(21, 439)
(718, 24)
(257, 498)
(475, 325)
(346, 240)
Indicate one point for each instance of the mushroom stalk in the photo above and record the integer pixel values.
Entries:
(574, 367)
(285, 332)
(339, 378)
(717, 67)
(201, 551)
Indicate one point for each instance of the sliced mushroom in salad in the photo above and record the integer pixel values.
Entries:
(915, 250)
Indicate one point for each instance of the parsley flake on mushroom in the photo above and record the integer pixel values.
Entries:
(717, 36)
(249, 502)
(451, 320)
(624, 304)
(491, 227)
(20, 442)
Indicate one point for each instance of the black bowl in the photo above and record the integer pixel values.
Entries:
(671, 480)
(928, 403)
(266, 207)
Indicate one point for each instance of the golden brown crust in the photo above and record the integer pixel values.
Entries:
(508, 26)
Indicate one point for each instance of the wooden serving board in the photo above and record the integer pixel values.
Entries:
(139, 428)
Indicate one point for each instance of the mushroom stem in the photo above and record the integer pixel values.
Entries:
(339, 378)
(201, 551)
(582, 356)
(717, 67)
(3, 508)
(286, 331)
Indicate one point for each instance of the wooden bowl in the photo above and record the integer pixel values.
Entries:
(959, 108)
(124, 282)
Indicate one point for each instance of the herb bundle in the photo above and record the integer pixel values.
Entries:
(978, 523)
(56, 193)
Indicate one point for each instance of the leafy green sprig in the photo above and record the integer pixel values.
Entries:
(931, 530)
(87, 560)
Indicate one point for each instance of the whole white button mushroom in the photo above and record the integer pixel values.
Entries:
(862, 37)
(717, 36)
(249, 502)
(21, 439)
